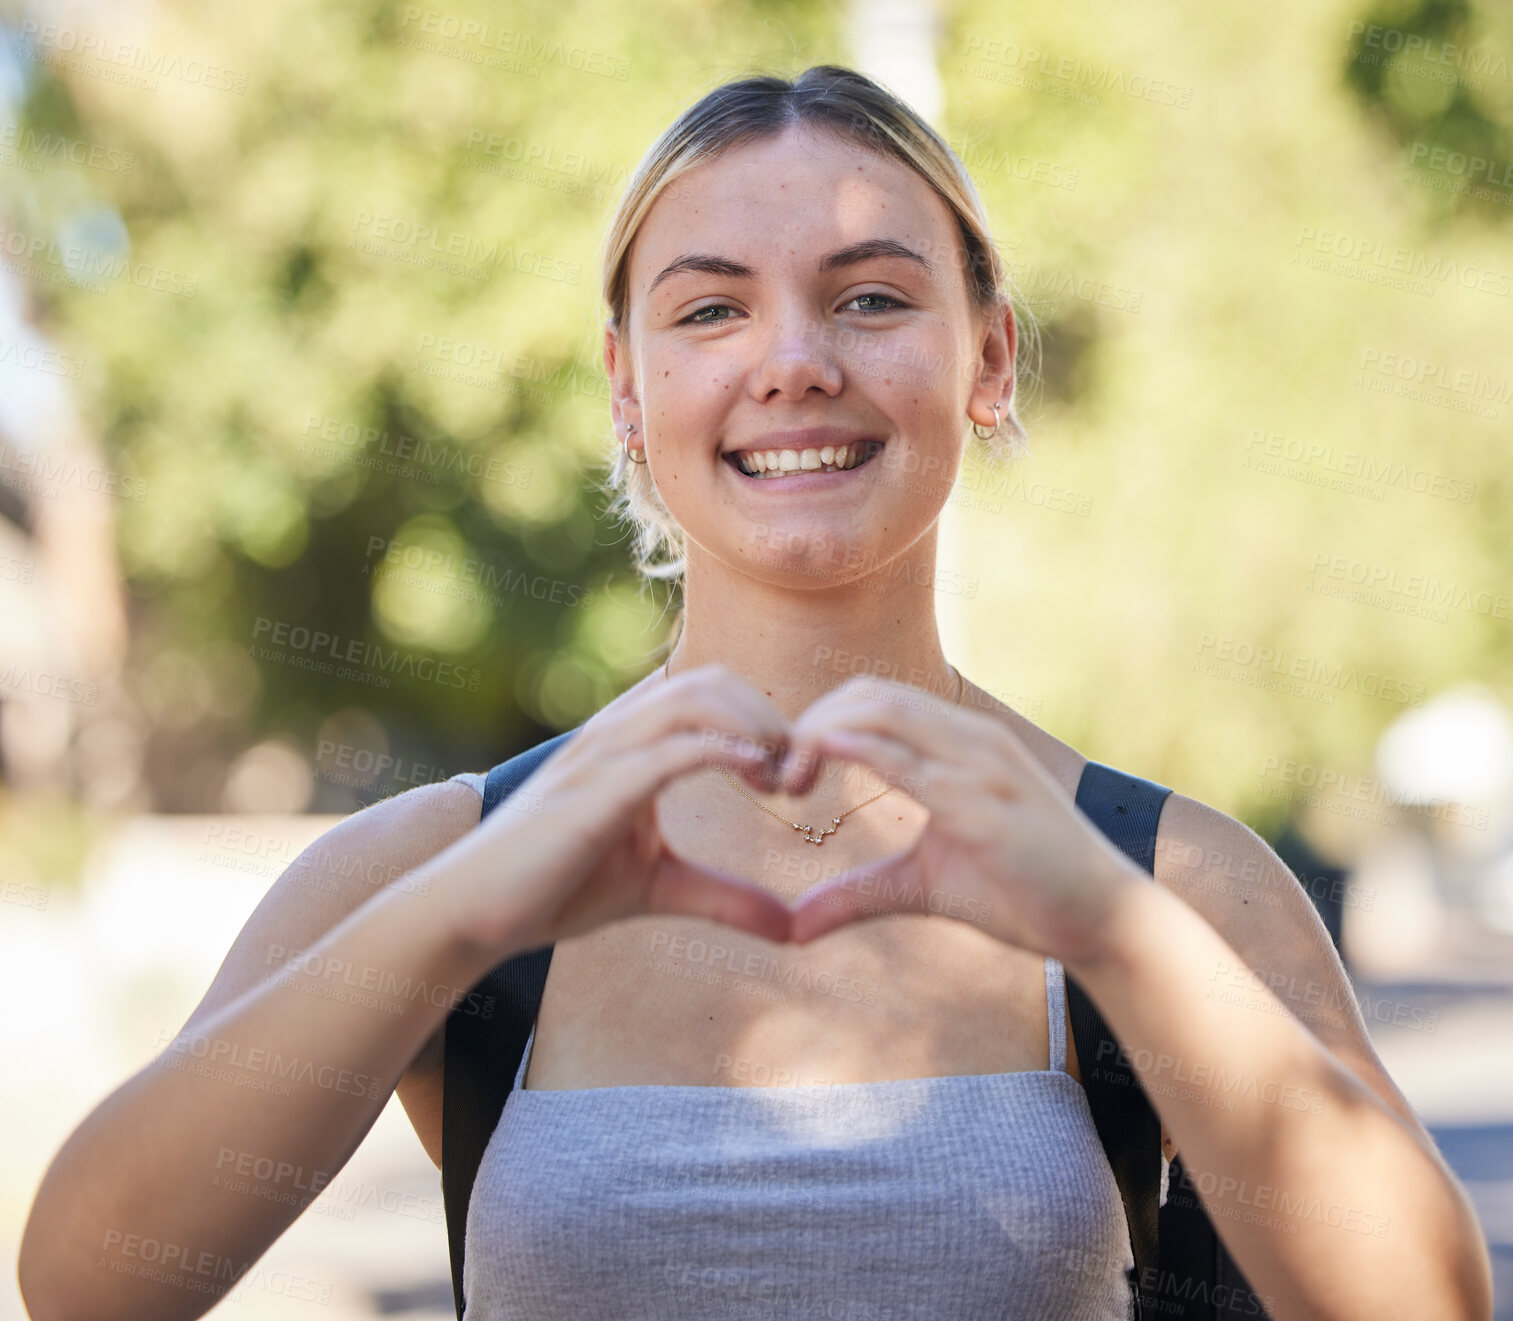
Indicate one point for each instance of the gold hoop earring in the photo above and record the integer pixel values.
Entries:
(988, 435)
(630, 453)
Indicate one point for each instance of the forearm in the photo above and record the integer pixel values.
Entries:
(1329, 1202)
(184, 1176)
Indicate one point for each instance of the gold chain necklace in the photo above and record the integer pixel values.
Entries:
(809, 836)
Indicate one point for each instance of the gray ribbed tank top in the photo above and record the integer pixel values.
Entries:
(960, 1198)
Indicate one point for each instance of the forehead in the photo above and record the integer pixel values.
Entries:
(805, 190)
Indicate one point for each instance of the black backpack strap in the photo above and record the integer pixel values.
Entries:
(1127, 809)
(483, 1050)
(1178, 1252)
(1200, 1280)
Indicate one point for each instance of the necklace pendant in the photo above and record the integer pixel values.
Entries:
(811, 837)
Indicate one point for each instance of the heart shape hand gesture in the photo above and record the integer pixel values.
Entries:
(1003, 846)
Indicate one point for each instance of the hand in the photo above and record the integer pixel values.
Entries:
(1004, 847)
(577, 844)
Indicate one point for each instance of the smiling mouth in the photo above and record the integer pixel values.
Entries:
(774, 465)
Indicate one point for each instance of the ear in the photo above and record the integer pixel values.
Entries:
(624, 408)
(994, 368)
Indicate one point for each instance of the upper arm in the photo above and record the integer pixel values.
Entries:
(342, 869)
(1230, 876)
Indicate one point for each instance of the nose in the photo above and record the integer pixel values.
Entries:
(796, 355)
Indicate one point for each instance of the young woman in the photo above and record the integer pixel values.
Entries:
(865, 1106)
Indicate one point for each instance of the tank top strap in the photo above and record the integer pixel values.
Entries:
(1055, 1012)
(525, 1057)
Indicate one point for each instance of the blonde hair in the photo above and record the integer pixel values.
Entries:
(825, 97)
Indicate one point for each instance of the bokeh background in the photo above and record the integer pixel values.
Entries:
(302, 409)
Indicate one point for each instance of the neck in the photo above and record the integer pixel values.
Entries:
(797, 644)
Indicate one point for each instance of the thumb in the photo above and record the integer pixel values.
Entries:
(690, 890)
(890, 884)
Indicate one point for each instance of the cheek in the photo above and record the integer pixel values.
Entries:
(917, 377)
(916, 401)
(682, 387)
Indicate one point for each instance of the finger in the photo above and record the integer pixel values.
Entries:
(726, 700)
(698, 723)
(891, 884)
(951, 792)
(712, 699)
(689, 890)
(624, 783)
(920, 745)
(932, 731)
(891, 759)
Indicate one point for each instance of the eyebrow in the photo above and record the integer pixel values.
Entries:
(708, 264)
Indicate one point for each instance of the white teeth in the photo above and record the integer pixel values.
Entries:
(831, 458)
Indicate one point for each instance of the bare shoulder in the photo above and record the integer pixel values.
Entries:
(335, 875)
(1233, 878)
(338, 872)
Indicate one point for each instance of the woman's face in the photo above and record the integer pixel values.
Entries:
(787, 296)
